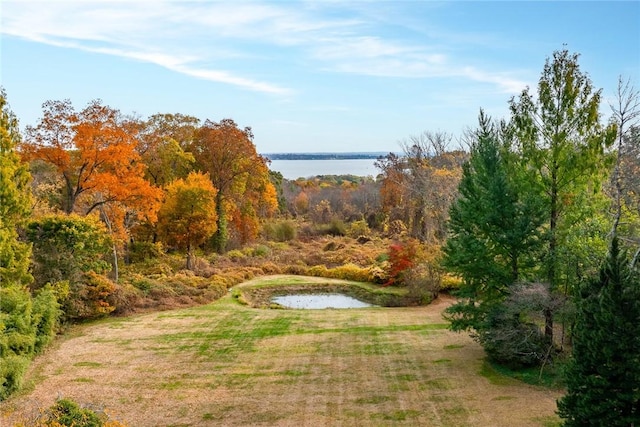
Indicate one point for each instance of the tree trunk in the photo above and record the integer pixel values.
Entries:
(221, 234)
(553, 225)
(115, 272)
(190, 259)
(114, 249)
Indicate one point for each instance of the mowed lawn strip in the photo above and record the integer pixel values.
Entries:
(229, 364)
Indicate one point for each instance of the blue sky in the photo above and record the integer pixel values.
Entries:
(308, 76)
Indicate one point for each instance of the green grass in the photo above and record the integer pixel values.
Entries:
(247, 366)
(453, 346)
(373, 400)
(88, 364)
(549, 421)
(437, 384)
(489, 371)
(550, 376)
(400, 415)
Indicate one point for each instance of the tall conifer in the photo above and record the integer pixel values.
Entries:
(603, 377)
(493, 229)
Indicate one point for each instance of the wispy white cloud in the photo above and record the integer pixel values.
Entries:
(506, 82)
(199, 39)
(376, 57)
(140, 31)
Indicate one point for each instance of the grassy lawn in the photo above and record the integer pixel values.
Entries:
(229, 364)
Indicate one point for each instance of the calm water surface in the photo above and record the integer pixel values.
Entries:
(294, 169)
(320, 301)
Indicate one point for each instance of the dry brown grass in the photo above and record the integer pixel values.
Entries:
(228, 364)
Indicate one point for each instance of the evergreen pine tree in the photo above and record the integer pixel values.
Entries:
(603, 377)
(15, 201)
(493, 230)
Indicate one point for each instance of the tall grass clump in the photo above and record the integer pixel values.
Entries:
(282, 231)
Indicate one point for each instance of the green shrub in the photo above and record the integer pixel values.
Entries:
(336, 227)
(384, 257)
(45, 316)
(358, 228)
(65, 247)
(66, 412)
(235, 255)
(18, 333)
(142, 251)
(12, 370)
(26, 325)
(144, 284)
(283, 231)
(260, 251)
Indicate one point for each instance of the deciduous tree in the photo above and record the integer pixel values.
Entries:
(188, 216)
(561, 137)
(625, 179)
(419, 187)
(240, 175)
(162, 144)
(95, 153)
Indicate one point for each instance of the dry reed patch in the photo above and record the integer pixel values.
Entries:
(226, 364)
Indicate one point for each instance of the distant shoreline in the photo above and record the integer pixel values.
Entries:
(324, 156)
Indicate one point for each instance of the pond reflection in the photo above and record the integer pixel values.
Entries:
(319, 301)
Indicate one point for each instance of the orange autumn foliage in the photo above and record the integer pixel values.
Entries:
(239, 173)
(94, 151)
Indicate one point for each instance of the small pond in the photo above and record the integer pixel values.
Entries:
(319, 301)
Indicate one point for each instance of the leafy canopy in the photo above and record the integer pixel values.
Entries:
(188, 216)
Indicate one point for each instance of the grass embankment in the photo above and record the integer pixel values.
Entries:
(231, 364)
(259, 293)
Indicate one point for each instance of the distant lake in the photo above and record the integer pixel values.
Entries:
(294, 169)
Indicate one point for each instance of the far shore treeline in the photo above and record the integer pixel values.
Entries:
(531, 221)
(324, 156)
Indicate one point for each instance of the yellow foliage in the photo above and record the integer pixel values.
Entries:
(188, 215)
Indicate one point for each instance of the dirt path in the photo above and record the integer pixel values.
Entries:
(226, 364)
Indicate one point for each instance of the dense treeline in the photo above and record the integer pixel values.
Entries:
(96, 207)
